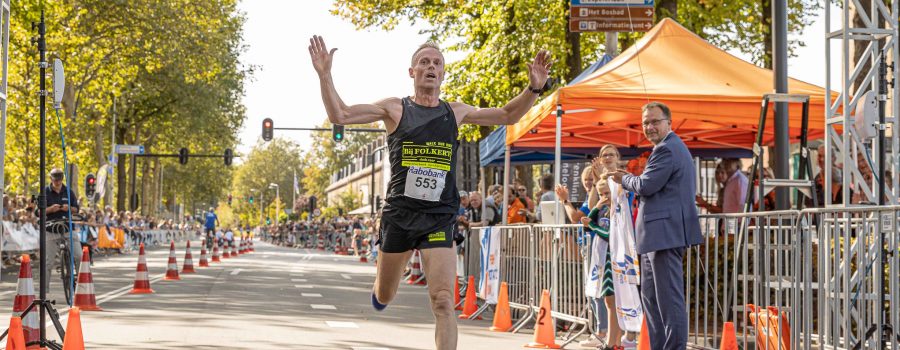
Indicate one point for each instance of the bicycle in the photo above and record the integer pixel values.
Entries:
(63, 260)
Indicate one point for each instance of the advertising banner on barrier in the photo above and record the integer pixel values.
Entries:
(490, 265)
(18, 237)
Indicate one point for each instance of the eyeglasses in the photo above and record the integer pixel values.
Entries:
(521, 190)
(653, 122)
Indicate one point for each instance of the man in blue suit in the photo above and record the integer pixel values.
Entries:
(667, 223)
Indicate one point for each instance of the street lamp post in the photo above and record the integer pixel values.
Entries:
(260, 206)
(278, 199)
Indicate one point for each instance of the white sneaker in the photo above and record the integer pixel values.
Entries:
(629, 344)
(592, 343)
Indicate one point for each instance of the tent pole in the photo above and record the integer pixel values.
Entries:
(557, 161)
(505, 204)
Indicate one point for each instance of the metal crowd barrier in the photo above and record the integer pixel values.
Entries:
(811, 279)
(534, 258)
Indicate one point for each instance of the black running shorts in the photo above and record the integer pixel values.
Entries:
(403, 230)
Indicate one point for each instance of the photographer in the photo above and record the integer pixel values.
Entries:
(58, 205)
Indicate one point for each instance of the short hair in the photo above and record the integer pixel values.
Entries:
(547, 182)
(427, 45)
(662, 107)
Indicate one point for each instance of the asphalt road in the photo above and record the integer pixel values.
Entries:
(275, 298)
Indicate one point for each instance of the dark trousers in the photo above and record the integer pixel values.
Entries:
(662, 296)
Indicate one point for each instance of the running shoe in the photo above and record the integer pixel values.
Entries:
(375, 304)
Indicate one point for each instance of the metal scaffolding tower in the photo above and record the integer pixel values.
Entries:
(846, 138)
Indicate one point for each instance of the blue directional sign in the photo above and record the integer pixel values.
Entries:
(612, 2)
(129, 149)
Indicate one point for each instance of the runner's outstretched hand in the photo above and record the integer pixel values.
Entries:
(538, 70)
(321, 57)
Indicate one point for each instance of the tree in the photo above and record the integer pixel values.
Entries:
(168, 68)
(499, 37)
(267, 163)
(326, 157)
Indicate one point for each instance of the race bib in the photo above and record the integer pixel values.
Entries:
(425, 183)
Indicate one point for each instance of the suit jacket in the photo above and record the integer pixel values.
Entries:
(667, 215)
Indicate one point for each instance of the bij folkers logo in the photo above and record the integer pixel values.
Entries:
(427, 172)
(437, 237)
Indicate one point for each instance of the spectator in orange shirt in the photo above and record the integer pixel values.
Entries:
(517, 210)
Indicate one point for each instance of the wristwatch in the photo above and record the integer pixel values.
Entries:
(536, 91)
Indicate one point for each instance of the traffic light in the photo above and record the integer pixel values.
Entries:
(229, 155)
(90, 183)
(229, 199)
(183, 156)
(337, 132)
(267, 129)
(268, 221)
(312, 204)
(251, 199)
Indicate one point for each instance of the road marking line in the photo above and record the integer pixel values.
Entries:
(346, 276)
(322, 307)
(298, 280)
(367, 348)
(336, 324)
(311, 295)
(302, 286)
(235, 272)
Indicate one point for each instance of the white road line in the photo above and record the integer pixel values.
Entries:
(124, 290)
(298, 280)
(301, 286)
(235, 272)
(367, 348)
(346, 276)
(294, 274)
(337, 324)
(322, 307)
(311, 295)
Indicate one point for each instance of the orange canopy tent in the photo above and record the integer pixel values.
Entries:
(715, 98)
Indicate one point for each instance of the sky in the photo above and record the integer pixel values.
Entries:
(371, 64)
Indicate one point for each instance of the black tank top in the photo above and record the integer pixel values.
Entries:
(423, 160)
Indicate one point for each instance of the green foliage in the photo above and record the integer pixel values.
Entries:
(267, 163)
(168, 68)
(348, 200)
(327, 157)
(500, 37)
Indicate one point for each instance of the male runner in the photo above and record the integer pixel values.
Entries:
(422, 200)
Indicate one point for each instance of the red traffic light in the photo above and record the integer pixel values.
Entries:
(91, 180)
(267, 130)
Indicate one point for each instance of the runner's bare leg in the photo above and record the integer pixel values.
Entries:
(388, 273)
(440, 270)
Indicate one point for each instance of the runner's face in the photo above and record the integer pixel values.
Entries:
(428, 69)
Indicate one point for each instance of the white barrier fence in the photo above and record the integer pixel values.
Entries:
(812, 279)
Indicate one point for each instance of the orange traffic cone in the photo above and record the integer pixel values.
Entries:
(84, 291)
(470, 307)
(24, 299)
(729, 337)
(456, 300)
(203, 261)
(215, 257)
(188, 260)
(544, 329)
(502, 318)
(172, 270)
(74, 339)
(141, 277)
(233, 251)
(251, 245)
(644, 337)
(15, 338)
